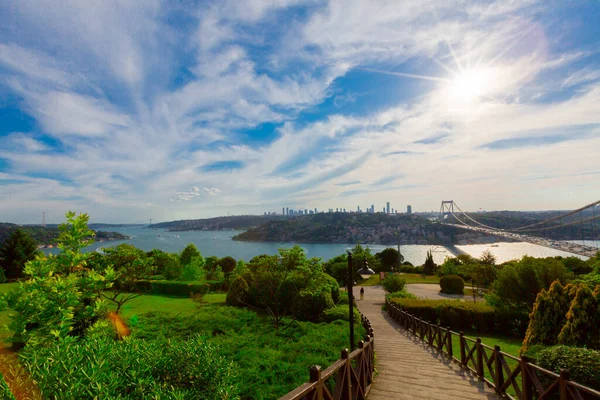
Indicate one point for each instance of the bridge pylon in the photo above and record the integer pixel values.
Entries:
(446, 209)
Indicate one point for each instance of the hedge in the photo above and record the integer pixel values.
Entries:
(463, 316)
(583, 364)
(339, 312)
(172, 288)
(452, 284)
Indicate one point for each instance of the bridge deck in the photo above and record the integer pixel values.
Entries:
(408, 368)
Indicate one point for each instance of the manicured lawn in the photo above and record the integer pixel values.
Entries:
(170, 305)
(410, 278)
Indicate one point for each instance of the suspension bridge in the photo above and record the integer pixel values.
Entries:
(579, 224)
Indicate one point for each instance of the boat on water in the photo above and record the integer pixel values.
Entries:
(494, 245)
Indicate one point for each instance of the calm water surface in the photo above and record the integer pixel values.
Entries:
(219, 243)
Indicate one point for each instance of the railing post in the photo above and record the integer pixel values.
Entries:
(315, 376)
(449, 338)
(499, 376)
(479, 358)
(564, 377)
(463, 356)
(526, 385)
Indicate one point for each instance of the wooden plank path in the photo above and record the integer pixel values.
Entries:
(407, 367)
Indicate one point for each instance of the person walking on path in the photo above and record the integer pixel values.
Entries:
(362, 293)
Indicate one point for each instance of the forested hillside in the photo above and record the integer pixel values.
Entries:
(49, 235)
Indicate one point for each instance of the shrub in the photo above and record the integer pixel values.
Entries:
(172, 288)
(192, 272)
(227, 264)
(460, 315)
(549, 315)
(343, 298)
(393, 283)
(583, 364)
(189, 253)
(5, 392)
(429, 267)
(582, 321)
(402, 294)
(452, 284)
(239, 292)
(131, 368)
(339, 312)
(172, 268)
(309, 304)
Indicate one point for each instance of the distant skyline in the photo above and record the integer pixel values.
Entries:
(182, 110)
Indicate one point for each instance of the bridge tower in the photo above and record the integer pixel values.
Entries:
(446, 209)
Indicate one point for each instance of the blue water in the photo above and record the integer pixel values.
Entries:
(220, 244)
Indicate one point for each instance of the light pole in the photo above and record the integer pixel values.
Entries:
(364, 272)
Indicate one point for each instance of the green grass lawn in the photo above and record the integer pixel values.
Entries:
(410, 278)
(170, 305)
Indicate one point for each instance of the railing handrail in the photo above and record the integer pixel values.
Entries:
(474, 357)
(355, 380)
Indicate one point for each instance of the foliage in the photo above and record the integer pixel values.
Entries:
(582, 320)
(62, 296)
(576, 265)
(227, 264)
(519, 282)
(583, 364)
(172, 267)
(487, 258)
(193, 271)
(270, 362)
(549, 315)
(279, 285)
(465, 316)
(401, 294)
(15, 252)
(429, 267)
(188, 253)
(339, 312)
(172, 288)
(452, 284)
(389, 258)
(483, 274)
(393, 283)
(5, 392)
(132, 369)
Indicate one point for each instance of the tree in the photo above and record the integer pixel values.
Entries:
(390, 258)
(188, 253)
(16, 251)
(130, 265)
(487, 258)
(227, 264)
(429, 267)
(549, 315)
(62, 297)
(194, 271)
(582, 321)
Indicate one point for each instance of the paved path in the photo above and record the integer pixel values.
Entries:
(410, 369)
(432, 291)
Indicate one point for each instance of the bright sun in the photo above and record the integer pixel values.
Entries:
(470, 85)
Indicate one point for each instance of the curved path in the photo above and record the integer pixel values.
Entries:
(410, 369)
(432, 291)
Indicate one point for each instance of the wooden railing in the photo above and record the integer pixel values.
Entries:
(510, 376)
(353, 374)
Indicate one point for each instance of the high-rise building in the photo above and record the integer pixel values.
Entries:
(387, 207)
(372, 208)
(287, 211)
(315, 210)
(305, 211)
(282, 210)
(409, 209)
(344, 210)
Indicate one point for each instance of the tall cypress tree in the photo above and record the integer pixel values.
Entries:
(15, 252)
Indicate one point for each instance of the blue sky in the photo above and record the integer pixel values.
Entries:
(171, 110)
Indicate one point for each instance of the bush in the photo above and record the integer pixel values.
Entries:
(339, 312)
(393, 283)
(583, 364)
(402, 294)
(310, 304)
(5, 392)
(460, 315)
(582, 321)
(132, 368)
(452, 284)
(172, 268)
(172, 288)
(343, 298)
(239, 292)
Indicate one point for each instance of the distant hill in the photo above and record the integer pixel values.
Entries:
(49, 235)
(236, 222)
(376, 228)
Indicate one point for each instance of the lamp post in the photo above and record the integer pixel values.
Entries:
(364, 272)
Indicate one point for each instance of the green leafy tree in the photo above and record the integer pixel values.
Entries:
(62, 297)
(227, 264)
(172, 267)
(429, 267)
(130, 265)
(487, 258)
(188, 254)
(390, 258)
(15, 252)
(518, 283)
(393, 283)
(194, 271)
(582, 321)
(549, 315)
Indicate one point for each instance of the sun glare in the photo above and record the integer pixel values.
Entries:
(470, 85)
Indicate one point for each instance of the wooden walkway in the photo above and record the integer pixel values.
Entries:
(410, 369)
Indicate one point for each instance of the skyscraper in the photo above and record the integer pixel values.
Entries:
(282, 210)
(408, 209)
(372, 208)
(387, 207)
(287, 211)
